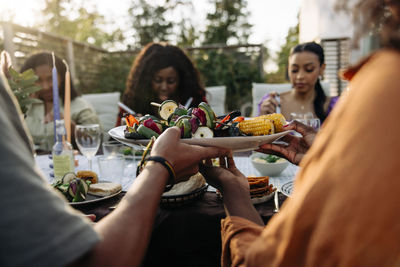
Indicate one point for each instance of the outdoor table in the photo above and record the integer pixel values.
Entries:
(184, 236)
(188, 235)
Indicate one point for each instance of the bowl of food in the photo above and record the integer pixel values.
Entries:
(268, 165)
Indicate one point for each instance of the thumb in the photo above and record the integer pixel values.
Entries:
(172, 133)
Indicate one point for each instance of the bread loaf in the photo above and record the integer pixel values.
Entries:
(88, 175)
(104, 189)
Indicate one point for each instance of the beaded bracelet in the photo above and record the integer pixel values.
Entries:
(168, 166)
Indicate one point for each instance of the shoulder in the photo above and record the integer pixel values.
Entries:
(285, 96)
(79, 103)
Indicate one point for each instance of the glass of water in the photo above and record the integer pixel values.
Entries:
(88, 139)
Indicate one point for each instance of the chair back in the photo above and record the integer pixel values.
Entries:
(106, 107)
(215, 96)
(260, 89)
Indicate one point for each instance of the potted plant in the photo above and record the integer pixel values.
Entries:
(22, 84)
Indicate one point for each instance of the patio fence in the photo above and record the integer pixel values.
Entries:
(83, 59)
(87, 62)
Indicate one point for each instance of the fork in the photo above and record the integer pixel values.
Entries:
(276, 198)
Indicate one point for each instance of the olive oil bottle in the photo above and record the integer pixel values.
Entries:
(63, 153)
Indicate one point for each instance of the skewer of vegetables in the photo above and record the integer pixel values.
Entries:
(200, 122)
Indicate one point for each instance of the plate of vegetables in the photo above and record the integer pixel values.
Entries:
(76, 190)
(200, 126)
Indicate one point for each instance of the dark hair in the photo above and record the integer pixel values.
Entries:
(320, 96)
(374, 15)
(45, 58)
(152, 58)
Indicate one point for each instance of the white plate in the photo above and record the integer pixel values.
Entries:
(91, 199)
(254, 200)
(237, 143)
(287, 188)
(258, 200)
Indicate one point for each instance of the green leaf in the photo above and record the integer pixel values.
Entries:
(32, 89)
(28, 101)
(28, 74)
(28, 81)
(23, 85)
(14, 73)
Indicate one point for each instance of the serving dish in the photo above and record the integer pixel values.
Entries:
(287, 188)
(173, 201)
(254, 200)
(92, 199)
(236, 143)
(266, 168)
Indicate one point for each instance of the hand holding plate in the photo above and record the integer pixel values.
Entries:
(184, 158)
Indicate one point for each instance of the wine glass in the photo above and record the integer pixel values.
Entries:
(88, 139)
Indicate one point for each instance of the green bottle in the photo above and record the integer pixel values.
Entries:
(63, 153)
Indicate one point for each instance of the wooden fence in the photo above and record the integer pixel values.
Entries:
(87, 61)
(83, 59)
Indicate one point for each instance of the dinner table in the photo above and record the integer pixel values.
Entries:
(186, 233)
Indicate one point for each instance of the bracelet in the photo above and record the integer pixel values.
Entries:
(168, 166)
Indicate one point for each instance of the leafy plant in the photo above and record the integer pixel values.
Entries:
(236, 71)
(23, 85)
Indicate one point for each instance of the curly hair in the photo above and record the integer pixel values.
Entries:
(320, 96)
(46, 58)
(152, 58)
(375, 15)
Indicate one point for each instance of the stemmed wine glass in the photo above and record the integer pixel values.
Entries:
(88, 139)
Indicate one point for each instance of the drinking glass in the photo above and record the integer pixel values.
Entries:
(88, 139)
(307, 119)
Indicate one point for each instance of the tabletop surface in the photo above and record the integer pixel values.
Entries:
(188, 235)
(242, 162)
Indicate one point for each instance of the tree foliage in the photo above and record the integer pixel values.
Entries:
(70, 19)
(237, 71)
(228, 22)
(292, 39)
(112, 73)
(155, 21)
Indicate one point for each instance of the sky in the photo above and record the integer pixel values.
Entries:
(271, 19)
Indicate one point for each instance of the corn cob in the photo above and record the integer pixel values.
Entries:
(278, 120)
(257, 126)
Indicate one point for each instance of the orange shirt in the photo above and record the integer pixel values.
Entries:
(345, 209)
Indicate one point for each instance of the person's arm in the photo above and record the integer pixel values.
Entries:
(297, 146)
(126, 232)
(243, 224)
(234, 188)
(268, 104)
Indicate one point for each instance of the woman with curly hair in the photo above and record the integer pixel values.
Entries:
(160, 72)
(342, 211)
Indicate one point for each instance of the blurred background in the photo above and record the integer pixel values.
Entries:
(234, 43)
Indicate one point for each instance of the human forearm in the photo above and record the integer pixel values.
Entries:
(238, 203)
(129, 227)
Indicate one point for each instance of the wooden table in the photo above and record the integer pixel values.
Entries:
(186, 236)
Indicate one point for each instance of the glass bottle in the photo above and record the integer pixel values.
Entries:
(63, 153)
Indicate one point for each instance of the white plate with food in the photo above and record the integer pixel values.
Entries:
(84, 188)
(236, 143)
(185, 192)
(287, 188)
(91, 199)
(254, 200)
(259, 200)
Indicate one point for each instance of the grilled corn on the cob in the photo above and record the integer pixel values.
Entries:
(257, 126)
(278, 120)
